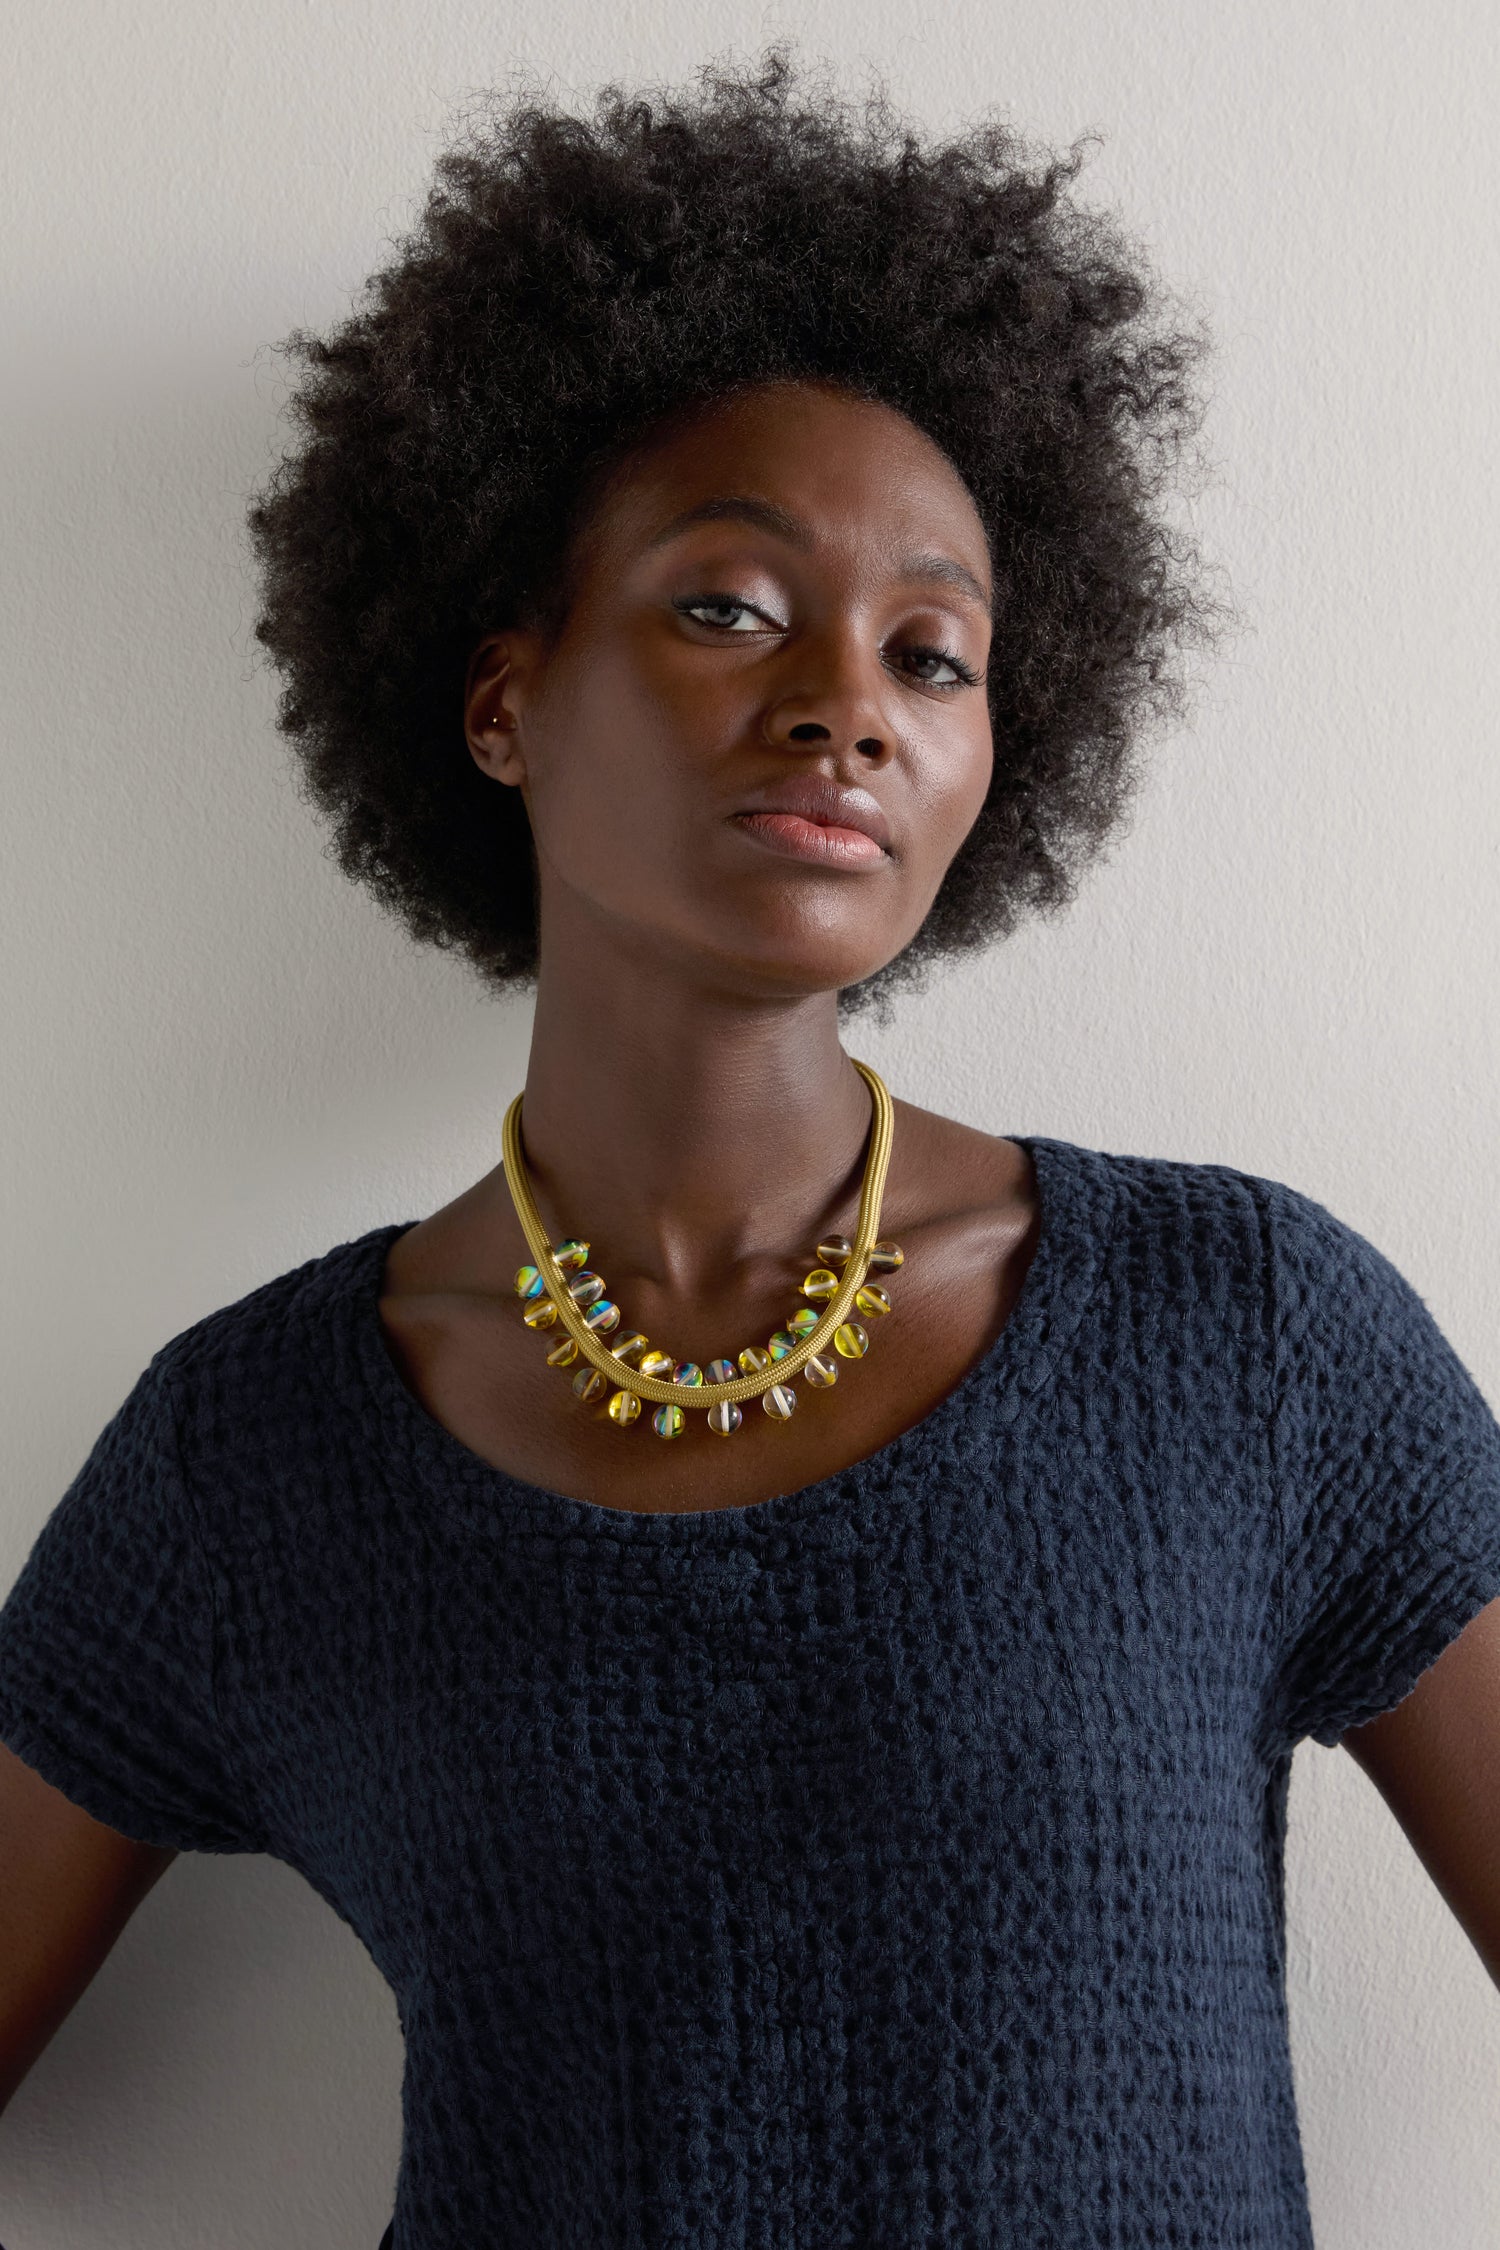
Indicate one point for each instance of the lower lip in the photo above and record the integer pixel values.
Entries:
(796, 838)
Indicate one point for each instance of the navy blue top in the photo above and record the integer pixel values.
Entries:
(896, 1861)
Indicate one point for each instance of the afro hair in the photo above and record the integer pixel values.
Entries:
(575, 280)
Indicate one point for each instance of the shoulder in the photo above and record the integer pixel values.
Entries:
(1204, 1224)
(1204, 1231)
(249, 1376)
(278, 1317)
(1332, 1302)
(1214, 1213)
(1181, 1195)
(1205, 1216)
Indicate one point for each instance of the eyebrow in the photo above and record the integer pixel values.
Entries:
(945, 572)
(764, 515)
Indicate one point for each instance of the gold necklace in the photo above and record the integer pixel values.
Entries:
(560, 1290)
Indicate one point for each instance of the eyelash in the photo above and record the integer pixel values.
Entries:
(967, 676)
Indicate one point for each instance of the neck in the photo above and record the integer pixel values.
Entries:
(699, 1127)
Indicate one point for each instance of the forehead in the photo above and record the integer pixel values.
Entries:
(854, 473)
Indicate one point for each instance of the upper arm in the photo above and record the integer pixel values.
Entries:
(68, 1885)
(1435, 1758)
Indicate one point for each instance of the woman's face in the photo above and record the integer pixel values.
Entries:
(759, 737)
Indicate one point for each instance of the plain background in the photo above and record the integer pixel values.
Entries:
(220, 1059)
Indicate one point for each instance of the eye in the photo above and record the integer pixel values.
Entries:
(724, 613)
(930, 665)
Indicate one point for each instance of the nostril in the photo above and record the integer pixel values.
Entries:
(809, 731)
(871, 745)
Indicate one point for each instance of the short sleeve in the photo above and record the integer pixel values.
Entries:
(1387, 1461)
(107, 1644)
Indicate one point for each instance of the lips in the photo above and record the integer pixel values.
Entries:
(810, 817)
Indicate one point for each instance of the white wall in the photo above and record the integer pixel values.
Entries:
(219, 1059)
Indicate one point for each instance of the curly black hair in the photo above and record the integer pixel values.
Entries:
(572, 283)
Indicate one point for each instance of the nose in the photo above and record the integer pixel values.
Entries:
(831, 701)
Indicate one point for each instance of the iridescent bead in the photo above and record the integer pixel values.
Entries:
(689, 1374)
(721, 1371)
(585, 1287)
(563, 1352)
(781, 1343)
(724, 1417)
(659, 1364)
(587, 1384)
(851, 1340)
(539, 1312)
(780, 1402)
(821, 1372)
(602, 1315)
(625, 1347)
(529, 1283)
(753, 1361)
(803, 1321)
(885, 1257)
(623, 1408)
(872, 1300)
(571, 1254)
(820, 1283)
(835, 1248)
(667, 1421)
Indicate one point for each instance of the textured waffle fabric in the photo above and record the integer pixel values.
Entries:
(895, 1862)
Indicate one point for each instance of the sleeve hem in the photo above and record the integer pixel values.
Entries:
(1466, 1580)
(95, 1794)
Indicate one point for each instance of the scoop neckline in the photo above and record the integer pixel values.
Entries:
(1077, 1201)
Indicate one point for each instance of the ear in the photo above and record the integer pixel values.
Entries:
(502, 672)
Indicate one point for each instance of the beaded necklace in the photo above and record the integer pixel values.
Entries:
(561, 1290)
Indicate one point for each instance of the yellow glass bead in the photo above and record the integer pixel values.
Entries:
(822, 1373)
(668, 1420)
(886, 1256)
(872, 1300)
(585, 1287)
(781, 1343)
(539, 1313)
(587, 1384)
(626, 1347)
(659, 1364)
(529, 1282)
(689, 1375)
(724, 1417)
(563, 1352)
(780, 1402)
(851, 1340)
(753, 1361)
(835, 1248)
(803, 1321)
(721, 1371)
(571, 1254)
(820, 1283)
(623, 1408)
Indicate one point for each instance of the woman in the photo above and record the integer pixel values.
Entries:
(723, 574)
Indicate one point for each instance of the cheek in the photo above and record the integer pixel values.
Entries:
(957, 780)
(592, 813)
(605, 795)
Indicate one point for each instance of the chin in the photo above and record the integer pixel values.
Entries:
(798, 972)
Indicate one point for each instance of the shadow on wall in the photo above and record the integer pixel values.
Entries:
(239, 2044)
